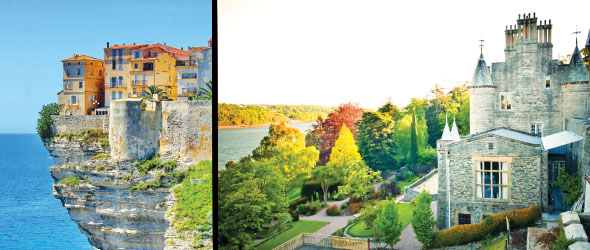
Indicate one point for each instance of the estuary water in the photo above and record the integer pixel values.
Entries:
(237, 143)
(30, 217)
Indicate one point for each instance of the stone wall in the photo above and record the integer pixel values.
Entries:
(527, 177)
(186, 130)
(410, 193)
(63, 124)
(178, 129)
(134, 133)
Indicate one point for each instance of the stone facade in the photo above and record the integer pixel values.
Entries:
(539, 89)
(527, 164)
(63, 124)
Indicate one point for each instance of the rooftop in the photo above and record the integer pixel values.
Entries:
(77, 57)
(131, 46)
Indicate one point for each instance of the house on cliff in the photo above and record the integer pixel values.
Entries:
(527, 116)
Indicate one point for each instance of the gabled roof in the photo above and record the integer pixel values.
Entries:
(77, 57)
(178, 54)
(482, 76)
(511, 134)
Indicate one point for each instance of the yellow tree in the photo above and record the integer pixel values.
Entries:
(345, 151)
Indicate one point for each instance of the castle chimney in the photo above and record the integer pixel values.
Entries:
(518, 16)
(534, 14)
(107, 44)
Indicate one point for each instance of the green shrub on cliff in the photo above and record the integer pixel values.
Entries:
(153, 163)
(44, 123)
(194, 198)
(144, 186)
(72, 181)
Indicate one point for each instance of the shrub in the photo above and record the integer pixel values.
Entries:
(99, 168)
(294, 215)
(127, 178)
(72, 181)
(44, 123)
(293, 204)
(390, 189)
(354, 208)
(355, 199)
(146, 186)
(109, 228)
(99, 156)
(463, 234)
(94, 135)
(338, 196)
(88, 196)
(333, 211)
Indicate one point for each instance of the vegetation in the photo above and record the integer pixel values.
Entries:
(298, 227)
(236, 114)
(324, 132)
(44, 122)
(99, 156)
(153, 90)
(333, 211)
(154, 163)
(375, 137)
(194, 198)
(144, 186)
(571, 184)
(293, 194)
(413, 140)
(71, 181)
(361, 230)
(388, 225)
(327, 176)
(423, 219)
(206, 93)
(463, 234)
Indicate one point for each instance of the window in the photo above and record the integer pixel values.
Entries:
(547, 81)
(113, 82)
(490, 146)
(136, 55)
(114, 63)
(120, 81)
(68, 86)
(143, 79)
(464, 218)
(120, 65)
(81, 84)
(491, 180)
(148, 66)
(168, 66)
(136, 65)
(149, 54)
(91, 98)
(114, 97)
(505, 101)
(120, 53)
(100, 72)
(134, 91)
(120, 95)
(554, 167)
(189, 75)
(114, 53)
(74, 100)
(78, 71)
(136, 78)
(536, 129)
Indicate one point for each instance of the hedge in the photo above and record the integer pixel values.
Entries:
(293, 204)
(309, 188)
(463, 234)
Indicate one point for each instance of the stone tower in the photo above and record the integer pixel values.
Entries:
(483, 93)
(574, 87)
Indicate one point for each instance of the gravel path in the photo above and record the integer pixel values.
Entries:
(431, 185)
(336, 222)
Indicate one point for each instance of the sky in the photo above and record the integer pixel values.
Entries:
(36, 35)
(333, 52)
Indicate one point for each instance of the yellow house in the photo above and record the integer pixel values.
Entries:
(117, 71)
(83, 85)
(158, 70)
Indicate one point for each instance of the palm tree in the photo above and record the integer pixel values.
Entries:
(153, 90)
(206, 93)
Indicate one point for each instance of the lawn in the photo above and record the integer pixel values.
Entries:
(403, 209)
(302, 226)
(402, 184)
(293, 194)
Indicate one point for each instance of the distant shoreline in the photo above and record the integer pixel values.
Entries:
(256, 125)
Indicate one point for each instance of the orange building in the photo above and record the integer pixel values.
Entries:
(83, 85)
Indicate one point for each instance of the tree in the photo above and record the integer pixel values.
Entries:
(325, 131)
(413, 140)
(44, 122)
(327, 176)
(369, 214)
(206, 93)
(284, 147)
(153, 90)
(375, 140)
(251, 195)
(403, 131)
(388, 224)
(359, 179)
(345, 151)
(423, 220)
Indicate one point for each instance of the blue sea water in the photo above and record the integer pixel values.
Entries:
(30, 217)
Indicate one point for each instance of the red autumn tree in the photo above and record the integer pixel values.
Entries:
(324, 132)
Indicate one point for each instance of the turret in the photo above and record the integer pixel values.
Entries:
(574, 87)
(446, 136)
(483, 90)
(455, 132)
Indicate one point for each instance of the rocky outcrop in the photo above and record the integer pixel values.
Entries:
(104, 208)
(65, 150)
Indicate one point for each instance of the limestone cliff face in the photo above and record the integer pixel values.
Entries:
(106, 211)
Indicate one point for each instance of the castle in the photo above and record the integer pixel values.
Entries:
(519, 135)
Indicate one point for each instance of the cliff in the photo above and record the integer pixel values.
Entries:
(140, 198)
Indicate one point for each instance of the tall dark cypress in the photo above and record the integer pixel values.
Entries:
(414, 140)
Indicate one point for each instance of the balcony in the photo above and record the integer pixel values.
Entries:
(113, 85)
(138, 82)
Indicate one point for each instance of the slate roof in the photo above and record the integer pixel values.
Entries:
(576, 70)
(511, 134)
(482, 76)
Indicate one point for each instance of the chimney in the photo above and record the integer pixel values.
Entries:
(181, 48)
(123, 43)
(133, 43)
(107, 44)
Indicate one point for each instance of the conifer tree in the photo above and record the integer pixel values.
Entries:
(423, 219)
(413, 140)
(345, 150)
(388, 225)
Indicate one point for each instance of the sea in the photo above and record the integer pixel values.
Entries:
(30, 217)
(237, 143)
